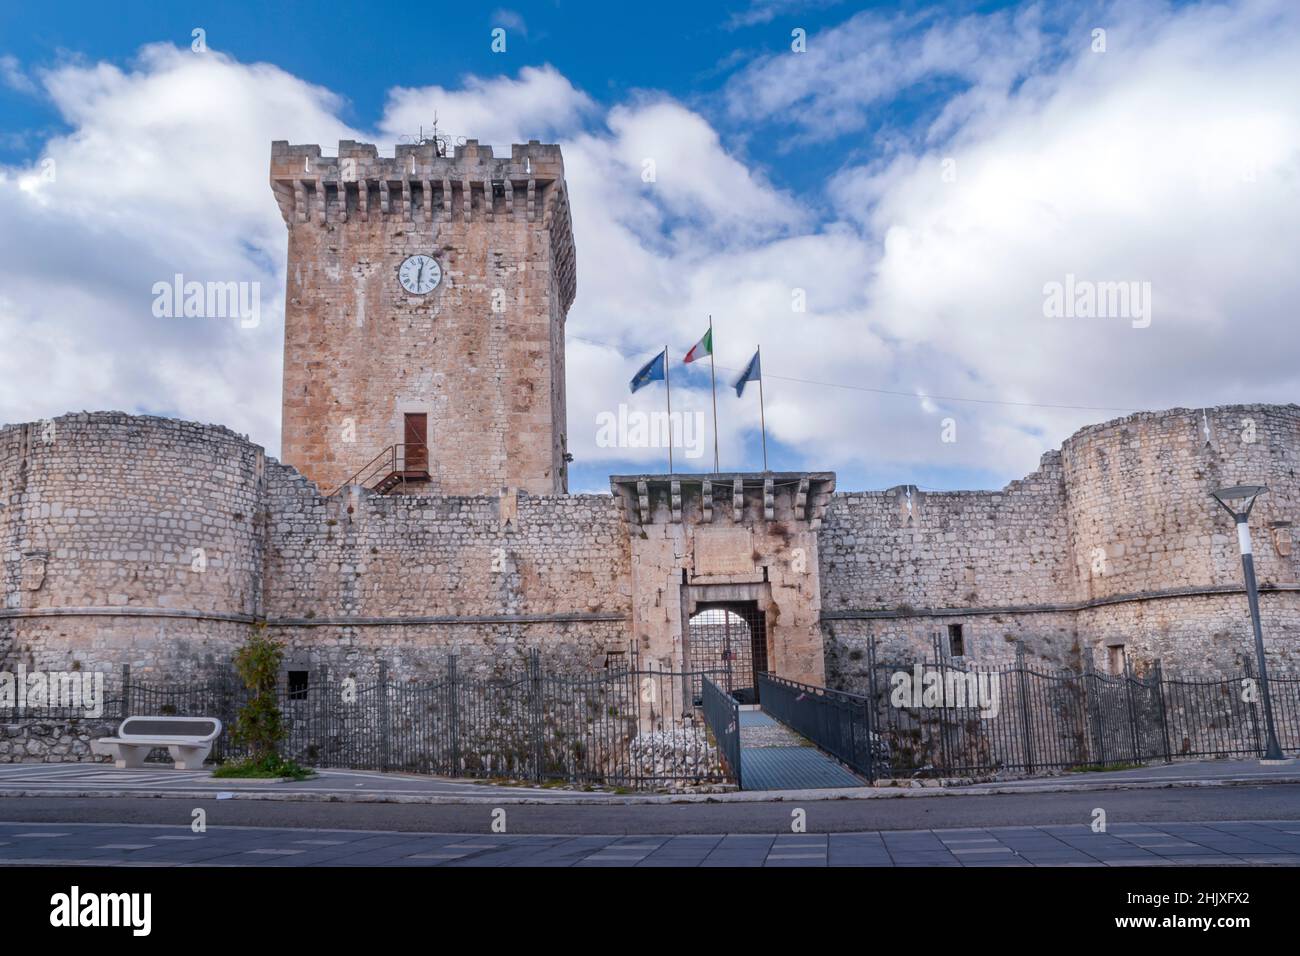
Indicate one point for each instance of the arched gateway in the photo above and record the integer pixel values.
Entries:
(725, 574)
(730, 640)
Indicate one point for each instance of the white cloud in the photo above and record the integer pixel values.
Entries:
(12, 75)
(694, 176)
(165, 171)
(148, 184)
(765, 11)
(1172, 158)
(847, 75)
(538, 104)
(655, 259)
(511, 19)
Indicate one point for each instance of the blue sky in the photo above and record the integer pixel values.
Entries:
(611, 51)
(918, 173)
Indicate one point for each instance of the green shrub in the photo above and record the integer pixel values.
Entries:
(259, 725)
(272, 766)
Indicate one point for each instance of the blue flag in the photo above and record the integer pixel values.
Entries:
(652, 371)
(752, 373)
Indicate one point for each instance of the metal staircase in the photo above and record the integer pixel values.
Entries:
(392, 469)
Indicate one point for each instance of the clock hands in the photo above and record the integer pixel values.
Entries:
(413, 271)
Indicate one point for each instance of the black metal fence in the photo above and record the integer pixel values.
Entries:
(722, 715)
(626, 726)
(837, 722)
(941, 717)
(642, 727)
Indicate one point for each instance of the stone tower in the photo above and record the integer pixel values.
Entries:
(424, 316)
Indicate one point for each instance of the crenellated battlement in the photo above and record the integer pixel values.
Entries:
(418, 184)
(500, 232)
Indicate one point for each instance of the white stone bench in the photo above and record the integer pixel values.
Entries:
(187, 739)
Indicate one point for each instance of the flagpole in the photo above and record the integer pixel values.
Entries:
(669, 392)
(713, 383)
(762, 416)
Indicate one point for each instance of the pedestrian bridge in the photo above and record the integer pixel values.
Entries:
(774, 757)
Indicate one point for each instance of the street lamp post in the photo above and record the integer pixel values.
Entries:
(1238, 501)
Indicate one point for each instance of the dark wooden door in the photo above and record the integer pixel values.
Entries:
(416, 438)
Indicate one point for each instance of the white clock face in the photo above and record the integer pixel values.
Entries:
(419, 274)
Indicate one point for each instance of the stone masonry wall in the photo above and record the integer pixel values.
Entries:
(1144, 524)
(1140, 505)
(1203, 635)
(53, 741)
(900, 566)
(948, 549)
(1051, 640)
(129, 539)
(685, 554)
(159, 543)
(354, 576)
(154, 543)
(1114, 541)
(481, 356)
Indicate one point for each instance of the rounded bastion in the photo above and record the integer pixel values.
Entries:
(1156, 557)
(128, 540)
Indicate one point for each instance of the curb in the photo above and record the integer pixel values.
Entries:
(748, 796)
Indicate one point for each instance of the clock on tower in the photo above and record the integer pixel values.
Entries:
(424, 315)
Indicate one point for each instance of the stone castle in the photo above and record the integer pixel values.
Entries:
(422, 506)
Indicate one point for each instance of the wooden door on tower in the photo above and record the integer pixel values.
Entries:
(416, 441)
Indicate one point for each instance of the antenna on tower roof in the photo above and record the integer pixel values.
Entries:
(442, 143)
(439, 142)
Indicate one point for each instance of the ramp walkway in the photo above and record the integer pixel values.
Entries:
(774, 757)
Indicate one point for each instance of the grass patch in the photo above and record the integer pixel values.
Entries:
(273, 767)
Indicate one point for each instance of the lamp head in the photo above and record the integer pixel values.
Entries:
(1239, 499)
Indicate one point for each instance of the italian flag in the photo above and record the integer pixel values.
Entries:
(701, 348)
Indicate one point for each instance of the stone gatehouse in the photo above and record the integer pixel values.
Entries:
(422, 506)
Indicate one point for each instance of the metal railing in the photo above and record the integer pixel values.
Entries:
(644, 727)
(1025, 719)
(393, 464)
(628, 726)
(722, 714)
(838, 723)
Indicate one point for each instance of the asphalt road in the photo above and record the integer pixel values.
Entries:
(1277, 802)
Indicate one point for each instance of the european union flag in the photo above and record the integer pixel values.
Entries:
(752, 373)
(652, 371)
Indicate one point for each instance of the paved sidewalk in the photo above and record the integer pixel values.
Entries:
(83, 778)
(1130, 844)
(356, 786)
(1168, 772)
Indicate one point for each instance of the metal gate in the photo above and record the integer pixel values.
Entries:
(731, 638)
